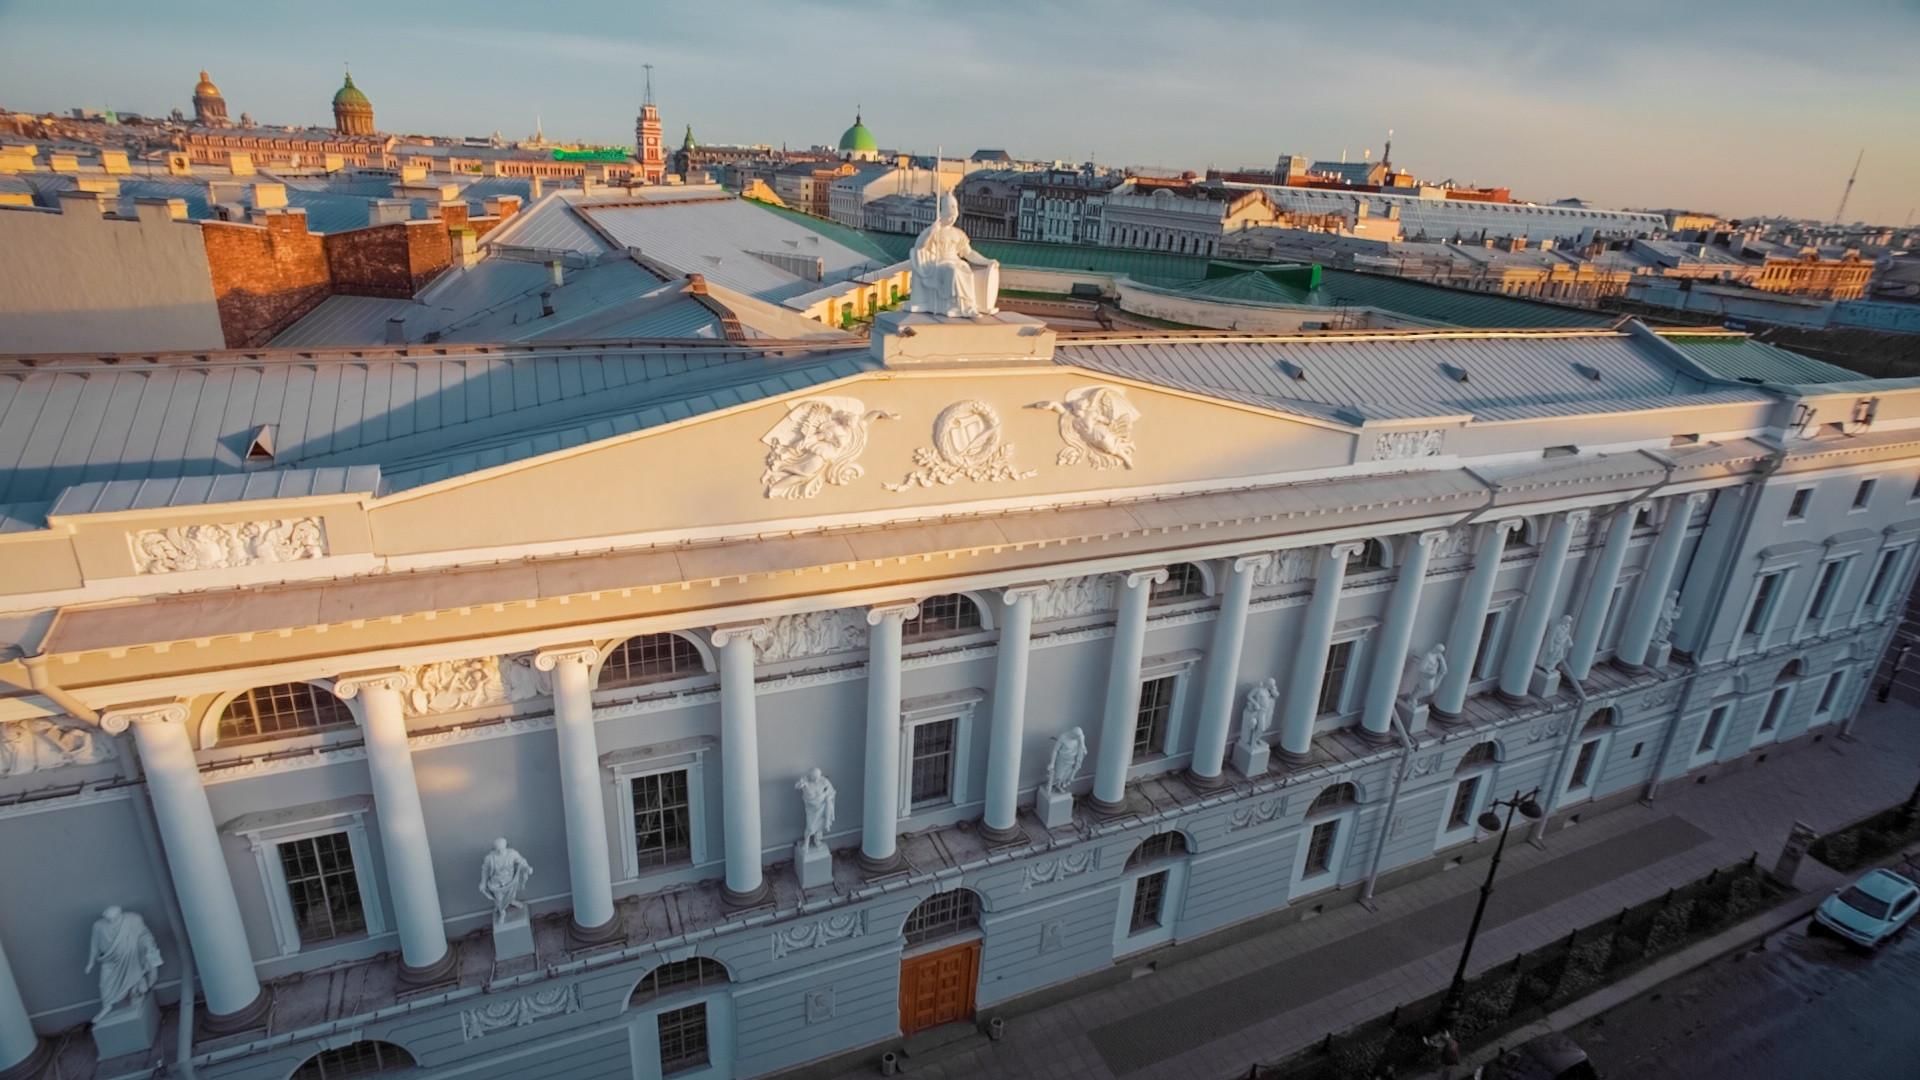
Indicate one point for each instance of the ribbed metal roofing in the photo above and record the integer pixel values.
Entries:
(1741, 357)
(1454, 307)
(549, 225)
(345, 320)
(724, 239)
(1402, 377)
(102, 496)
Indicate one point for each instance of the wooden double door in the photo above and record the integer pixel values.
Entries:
(937, 987)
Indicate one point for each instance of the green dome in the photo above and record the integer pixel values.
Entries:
(351, 95)
(858, 138)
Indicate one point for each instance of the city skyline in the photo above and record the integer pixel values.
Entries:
(1552, 110)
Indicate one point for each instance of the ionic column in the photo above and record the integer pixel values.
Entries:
(198, 866)
(22, 1054)
(424, 955)
(1123, 689)
(1009, 713)
(745, 884)
(1223, 670)
(880, 805)
(1390, 656)
(1469, 617)
(589, 872)
(1310, 654)
(1650, 595)
(1543, 594)
(1606, 574)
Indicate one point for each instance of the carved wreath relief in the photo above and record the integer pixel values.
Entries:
(818, 442)
(1096, 424)
(217, 547)
(966, 446)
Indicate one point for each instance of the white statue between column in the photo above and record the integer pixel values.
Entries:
(128, 958)
(1424, 675)
(812, 861)
(1669, 615)
(949, 277)
(1256, 717)
(503, 877)
(1053, 803)
(1559, 644)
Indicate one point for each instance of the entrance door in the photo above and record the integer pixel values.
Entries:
(937, 987)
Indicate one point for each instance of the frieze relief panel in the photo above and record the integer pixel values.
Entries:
(520, 1011)
(810, 633)
(1049, 871)
(966, 446)
(224, 546)
(819, 933)
(472, 683)
(1247, 815)
(1072, 597)
(818, 442)
(1287, 567)
(1398, 445)
(28, 746)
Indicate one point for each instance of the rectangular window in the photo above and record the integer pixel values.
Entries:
(1320, 847)
(1485, 658)
(1616, 612)
(1823, 590)
(1797, 510)
(1334, 684)
(1915, 494)
(1776, 705)
(1863, 494)
(1882, 574)
(323, 888)
(1149, 896)
(662, 819)
(1156, 708)
(1583, 765)
(1763, 602)
(683, 1039)
(932, 772)
(1710, 734)
(1463, 799)
(1831, 692)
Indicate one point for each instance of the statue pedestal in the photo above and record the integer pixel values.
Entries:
(1415, 718)
(1661, 655)
(1252, 760)
(1545, 683)
(907, 339)
(1053, 808)
(813, 864)
(512, 936)
(130, 1028)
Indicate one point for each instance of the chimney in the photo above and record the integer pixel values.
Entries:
(546, 301)
(466, 247)
(412, 173)
(397, 330)
(534, 188)
(389, 211)
(557, 272)
(114, 162)
(63, 163)
(269, 196)
(503, 206)
(240, 164)
(154, 211)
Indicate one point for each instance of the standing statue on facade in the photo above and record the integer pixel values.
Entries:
(949, 277)
(1559, 644)
(817, 794)
(128, 958)
(1669, 615)
(1069, 751)
(1257, 715)
(503, 877)
(1428, 669)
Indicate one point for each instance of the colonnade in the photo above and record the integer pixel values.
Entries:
(205, 889)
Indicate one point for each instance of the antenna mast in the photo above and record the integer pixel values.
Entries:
(1848, 193)
(649, 98)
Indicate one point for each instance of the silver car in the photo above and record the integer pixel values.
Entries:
(1870, 910)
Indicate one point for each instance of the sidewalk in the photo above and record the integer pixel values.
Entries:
(1211, 1017)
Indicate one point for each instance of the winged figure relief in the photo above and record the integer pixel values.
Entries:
(818, 442)
(1096, 423)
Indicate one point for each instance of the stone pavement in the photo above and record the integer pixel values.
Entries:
(1210, 1017)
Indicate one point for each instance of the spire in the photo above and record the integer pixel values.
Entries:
(648, 100)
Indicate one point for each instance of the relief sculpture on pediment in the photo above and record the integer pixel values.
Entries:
(966, 446)
(818, 442)
(1096, 425)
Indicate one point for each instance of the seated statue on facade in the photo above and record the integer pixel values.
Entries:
(949, 277)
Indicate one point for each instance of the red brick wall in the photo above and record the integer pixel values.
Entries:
(264, 278)
(388, 260)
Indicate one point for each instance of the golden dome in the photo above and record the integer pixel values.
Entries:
(205, 88)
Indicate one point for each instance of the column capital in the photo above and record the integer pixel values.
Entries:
(1347, 549)
(1132, 579)
(1250, 564)
(347, 687)
(1577, 518)
(551, 658)
(900, 609)
(1013, 594)
(116, 720)
(1507, 525)
(1696, 499)
(755, 632)
(1432, 538)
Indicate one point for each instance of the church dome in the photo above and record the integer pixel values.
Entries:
(350, 94)
(858, 139)
(205, 88)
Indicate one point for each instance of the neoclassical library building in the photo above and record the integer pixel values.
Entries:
(710, 709)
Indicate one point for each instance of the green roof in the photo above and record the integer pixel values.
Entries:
(1741, 357)
(858, 138)
(1454, 307)
(350, 94)
(1142, 265)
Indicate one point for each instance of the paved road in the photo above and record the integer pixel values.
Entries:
(1805, 1008)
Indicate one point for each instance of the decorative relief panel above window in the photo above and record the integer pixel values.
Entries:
(223, 546)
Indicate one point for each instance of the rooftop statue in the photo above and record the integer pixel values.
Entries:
(949, 277)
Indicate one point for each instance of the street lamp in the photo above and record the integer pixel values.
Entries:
(1491, 822)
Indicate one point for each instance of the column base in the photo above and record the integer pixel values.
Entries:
(1002, 837)
(1444, 718)
(890, 864)
(595, 935)
(1372, 737)
(1107, 809)
(437, 972)
(753, 897)
(251, 1015)
(1206, 783)
(1511, 699)
(1295, 758)
(1630, 669)
(31, 1066)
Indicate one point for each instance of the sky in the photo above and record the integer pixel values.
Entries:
(1740, 107)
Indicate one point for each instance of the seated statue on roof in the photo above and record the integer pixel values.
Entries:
(949, 277)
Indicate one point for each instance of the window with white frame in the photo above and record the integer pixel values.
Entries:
(660, 795)
(366, 1057)
(1486, 660)
(1154, 717)
(1863, 495)
(1711, 730)
(1333, 684)
(1616, 614)
(317, 870)
(650, 658)
(1765, 594)
(1876, 593)
(1586, 761)
(935, 732)
(1829, 695)
(1776, 709)
(682, 1029)
(941, 616)
(1797, 509)
(931, 753)
(1820, 604)
(1472, 778)
(1328, 819)
(1152, 870)
(1185, 581)
(285, 709)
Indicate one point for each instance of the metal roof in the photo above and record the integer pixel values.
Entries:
(345, 320)
(724, 238)
(102, 496)
(1454, 307)
(1737, 356)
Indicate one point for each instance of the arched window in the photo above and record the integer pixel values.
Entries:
(282, 709)
(1334, 797)
(680, 977)
(650, 658)
(365, 1058)
(1481, 755)
(1184, 582)
(942, 616)
(1792, 670)
(1372, 556)
(1599, 721)
(1164, 846)
(943, 915)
